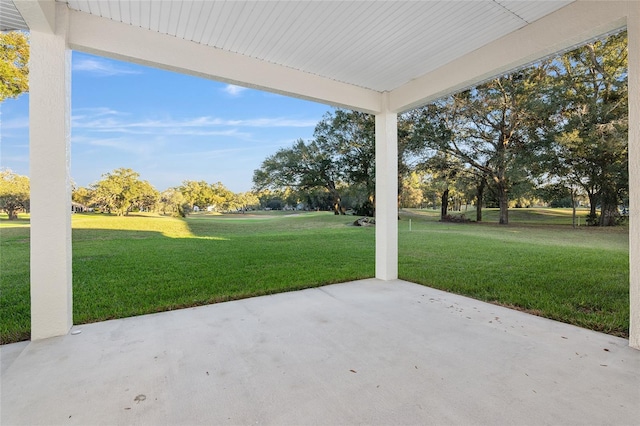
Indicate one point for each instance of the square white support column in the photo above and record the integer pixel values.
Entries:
(386, 194)
(49, 124)
(633, 34)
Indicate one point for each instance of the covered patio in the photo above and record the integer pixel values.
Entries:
(373, 351)
(364, 352)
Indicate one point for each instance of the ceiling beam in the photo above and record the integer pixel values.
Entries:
(39, 15)
(116, 40)
(567, 27)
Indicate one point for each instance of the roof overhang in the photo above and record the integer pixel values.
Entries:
(409, 55)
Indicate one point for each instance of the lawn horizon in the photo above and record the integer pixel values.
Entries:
(146, 263)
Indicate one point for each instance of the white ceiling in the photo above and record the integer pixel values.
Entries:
(378, 45)
(10, 18)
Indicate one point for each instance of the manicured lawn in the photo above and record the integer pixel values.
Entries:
(141, 264)
(14, 280)
(545, 267)
(125, 266)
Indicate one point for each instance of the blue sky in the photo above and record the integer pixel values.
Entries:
(166, 126)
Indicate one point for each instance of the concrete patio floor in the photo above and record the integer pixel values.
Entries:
(364, 352)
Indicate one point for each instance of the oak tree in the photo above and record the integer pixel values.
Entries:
(14, 64)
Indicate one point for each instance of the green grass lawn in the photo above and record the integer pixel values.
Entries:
(538, 264)
(125, 266)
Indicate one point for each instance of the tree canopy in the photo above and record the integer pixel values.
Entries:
(121, 191)
(304, 166)
(340, 160)
(559, 123)
(342, 153)
(14, 193)
(562, 121)
(591, 147)
(14, 64)
(495, 128)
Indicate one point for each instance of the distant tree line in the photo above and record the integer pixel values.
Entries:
(121, 192)
(553, 133)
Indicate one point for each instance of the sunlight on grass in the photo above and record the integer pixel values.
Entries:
(140, 264)
(171, 227)
(144, 263)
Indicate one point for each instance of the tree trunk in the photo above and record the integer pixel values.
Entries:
(479, 198)
(13, 214)
(592, 217)
(337, 202)
(573, 208)
(608, 215)
(338, 209)
(609, 211)
(593, 200)
(504, 205)
(445, 204)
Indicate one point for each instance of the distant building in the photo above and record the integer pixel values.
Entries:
(78, 208)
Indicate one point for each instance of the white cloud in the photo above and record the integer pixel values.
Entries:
(14, 123)
(233, 90)
(15, 159)
(137, 146)
(273, 122)
(214, 153)
(105, 120)
(83, 114)
(102, 68)
(122, 144)
(98, 111)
